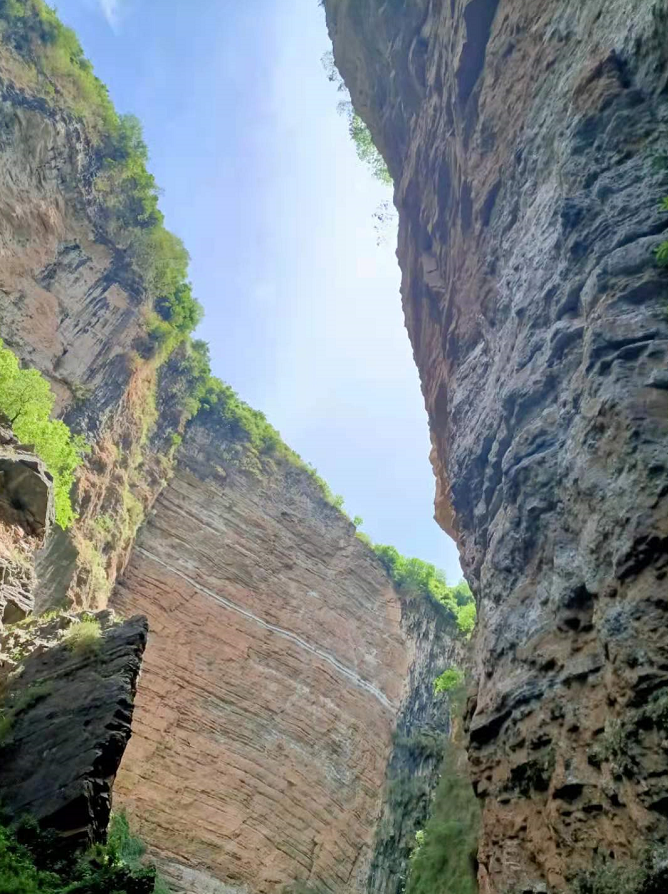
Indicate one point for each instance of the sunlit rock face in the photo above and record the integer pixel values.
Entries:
(275, 669)
(522, 138)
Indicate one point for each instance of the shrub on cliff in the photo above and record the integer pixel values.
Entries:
(27, 401)
(447, 681)
(360, 134)
(84, 637)
(647, 875)
(420, 578)
(32, 862)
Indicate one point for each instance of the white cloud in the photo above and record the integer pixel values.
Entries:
(111, 10)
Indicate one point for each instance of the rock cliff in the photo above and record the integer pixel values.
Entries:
(66, 720)
(66, 702)
(73, 306)
(522, 138)
(423, 728)
(270, 690)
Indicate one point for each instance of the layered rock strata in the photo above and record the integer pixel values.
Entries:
(66, 714)
(274, 675)
(523, 141)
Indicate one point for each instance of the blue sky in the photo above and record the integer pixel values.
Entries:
(262, 183)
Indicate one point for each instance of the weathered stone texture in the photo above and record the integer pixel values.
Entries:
(522, 138)
(26, 517)
(274, 674)
(69, 720)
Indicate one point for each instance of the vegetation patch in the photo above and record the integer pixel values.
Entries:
(417, 578)
(84, 637)
(444, 856)
(27, 401)
(449, 680)
(367, 151)
(32, 862)
(648, 875)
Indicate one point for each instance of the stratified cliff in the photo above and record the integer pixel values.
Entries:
(275, 671)
(74, 305)
(522, 138)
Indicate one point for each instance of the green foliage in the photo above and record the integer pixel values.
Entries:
(359, 132)
(366, 149)
(445, 858)
(240, 421)
(413, 576)
(358, 521)
(84, 637)
(648, 875)
(27, 400)
(450, 679)
(34, 31)
(128, 192)
(32, 862)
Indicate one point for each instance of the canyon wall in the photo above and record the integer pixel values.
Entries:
(74, 306)
(275, 670)
(65, 704)
(523, 141)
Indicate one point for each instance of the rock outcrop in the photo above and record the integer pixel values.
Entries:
(522, 138)
(66, 713)
(275, 672)
(26, 517)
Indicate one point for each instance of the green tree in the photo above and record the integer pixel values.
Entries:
(450, 679)
(367, 150)
(422, 578)
(27, 401)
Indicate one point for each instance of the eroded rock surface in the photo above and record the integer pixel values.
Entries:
(26, 517)
(274, 674)
(66, 720)
(522, 138)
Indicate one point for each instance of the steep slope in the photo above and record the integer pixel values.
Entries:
(75, 304)
(522, 139)
(275, 672)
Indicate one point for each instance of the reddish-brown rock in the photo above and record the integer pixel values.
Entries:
(275, 669)
(522, 138)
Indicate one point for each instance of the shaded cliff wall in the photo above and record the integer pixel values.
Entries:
(522, 139)
(66, 721)
(274, 675)
(419, 741)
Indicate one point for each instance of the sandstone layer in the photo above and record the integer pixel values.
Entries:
(274, 674)
(523, 138)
